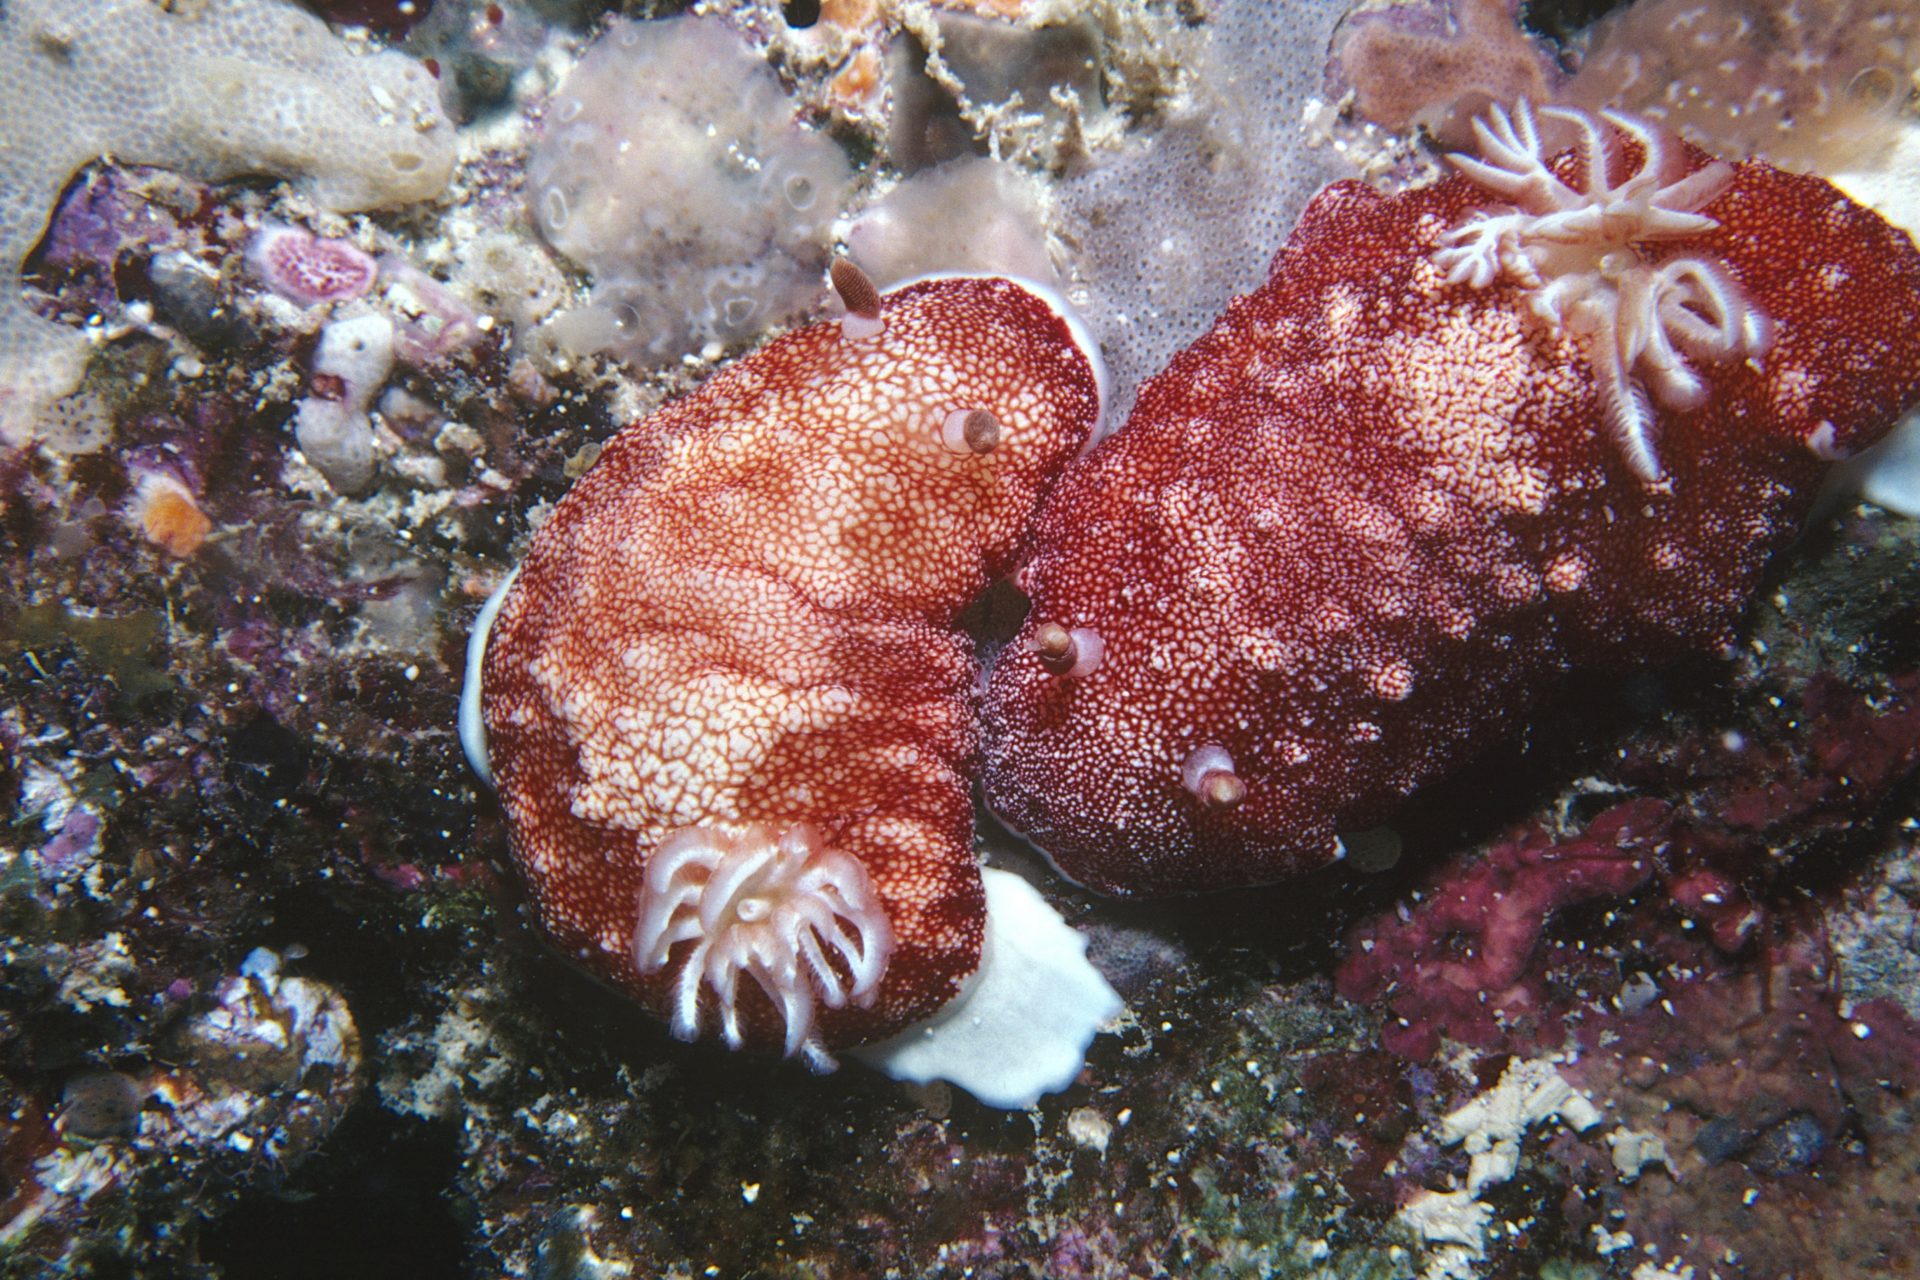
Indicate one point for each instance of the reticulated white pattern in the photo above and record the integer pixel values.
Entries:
(1576, 250)
(801, 919)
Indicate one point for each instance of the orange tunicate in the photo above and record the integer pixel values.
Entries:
(857, 84)
(849, 15)
(169, 516)
(1015, 9)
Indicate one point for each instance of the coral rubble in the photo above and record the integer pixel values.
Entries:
(213, 90)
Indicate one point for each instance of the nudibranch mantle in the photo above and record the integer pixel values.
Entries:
(723, 699)
(1356, 531)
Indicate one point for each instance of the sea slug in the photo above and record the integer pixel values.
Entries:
(1558, 409)
(723, 698)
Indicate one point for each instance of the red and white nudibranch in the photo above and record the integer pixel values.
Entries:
(730, 717)
(1549, 411)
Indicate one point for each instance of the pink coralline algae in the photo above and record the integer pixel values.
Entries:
(1474, 957)
(1544, 413)
(1758, 1078)
(306, 269)
(725, 703)
(1461, 961)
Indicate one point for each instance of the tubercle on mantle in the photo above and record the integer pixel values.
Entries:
(1068, 652)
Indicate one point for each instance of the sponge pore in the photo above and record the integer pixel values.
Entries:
(1179, 221)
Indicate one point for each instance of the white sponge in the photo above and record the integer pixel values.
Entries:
(1022, 1028)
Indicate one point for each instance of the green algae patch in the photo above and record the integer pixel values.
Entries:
(121, 647)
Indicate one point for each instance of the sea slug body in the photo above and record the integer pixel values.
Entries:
(723, 698)
(1554, 410)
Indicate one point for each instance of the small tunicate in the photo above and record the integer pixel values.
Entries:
(1721, 1138)
(554, 207)
(1637, 992)
(1792, 1146)
(98, 1105)
(331, 425)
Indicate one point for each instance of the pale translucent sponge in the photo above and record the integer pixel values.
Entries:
(672, 168)
(973, 214)
(1179, 221)
(209, 88)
